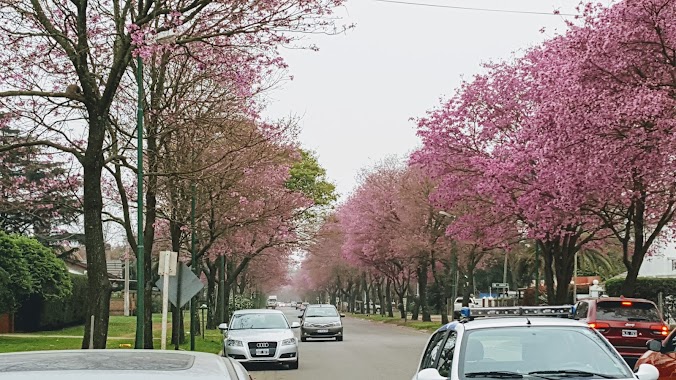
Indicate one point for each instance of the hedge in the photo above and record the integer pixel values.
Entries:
(37, 314)
(647, 288)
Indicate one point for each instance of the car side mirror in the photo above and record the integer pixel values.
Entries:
(432, 374)
(295, 325)
(300, 316)
(647, 372)
(342, 315)
(654, 345)
(223, 326)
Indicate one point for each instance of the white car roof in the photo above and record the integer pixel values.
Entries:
(116, 364)
(258, 311)
(482, 323)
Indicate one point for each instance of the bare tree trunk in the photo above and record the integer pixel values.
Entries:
(98, 302)
(388, 298)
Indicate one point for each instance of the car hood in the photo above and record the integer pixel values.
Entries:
(260, 335)
(322, 319)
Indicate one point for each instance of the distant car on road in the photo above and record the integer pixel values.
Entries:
(661, 354)
(119, 364)
(519, 343)
(272, 302)
(321, 321)
(628, 323)
(261, 336)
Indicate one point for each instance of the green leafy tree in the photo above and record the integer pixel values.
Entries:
(26, 268)
(308, 177)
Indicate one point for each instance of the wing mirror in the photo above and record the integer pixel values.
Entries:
(647, 372)
(300, 316)
(295, 325)
(342, 315)
(654, 345)
(223, 326)
(433, 374)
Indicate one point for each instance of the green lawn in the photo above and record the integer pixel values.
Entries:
(121, 332)
(418, 325)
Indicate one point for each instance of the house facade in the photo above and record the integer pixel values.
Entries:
(661, 263)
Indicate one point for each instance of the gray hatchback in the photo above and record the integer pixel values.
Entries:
(321, 321)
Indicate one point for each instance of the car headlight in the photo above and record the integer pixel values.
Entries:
(289, 342)
(335, 324)
(307, 324)
(234, 343)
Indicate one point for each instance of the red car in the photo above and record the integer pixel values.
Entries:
(663, 356)
(627, 323)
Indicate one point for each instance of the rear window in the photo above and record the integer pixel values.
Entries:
(627, 311)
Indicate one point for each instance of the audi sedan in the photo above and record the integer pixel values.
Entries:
(321, 321)
(119, 364)
(261, 336)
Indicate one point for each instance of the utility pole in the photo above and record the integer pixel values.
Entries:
(140, 259)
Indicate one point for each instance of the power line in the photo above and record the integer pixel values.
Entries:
(474, 9)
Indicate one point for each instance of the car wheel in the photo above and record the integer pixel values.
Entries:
(339, 339)
(303, 339)
(294, 365)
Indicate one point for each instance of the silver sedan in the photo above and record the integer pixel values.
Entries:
(119, 364)
(261, 336)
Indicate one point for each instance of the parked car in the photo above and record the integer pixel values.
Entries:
(119, 364)
(321, 321)
(628, 323)
(271, 303)
(661, 354)
(261, 336)
(509, 344)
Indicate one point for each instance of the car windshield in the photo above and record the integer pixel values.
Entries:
(627, 311)
(531, 350)
(321, 312)
(258, 321)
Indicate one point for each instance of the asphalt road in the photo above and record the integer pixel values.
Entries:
(370, 351)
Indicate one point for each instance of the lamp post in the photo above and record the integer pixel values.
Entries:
(537, 273)
(193, 261)
(140, 260)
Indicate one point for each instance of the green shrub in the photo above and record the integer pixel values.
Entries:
(240, 302)
(37, 314)
(647, 288)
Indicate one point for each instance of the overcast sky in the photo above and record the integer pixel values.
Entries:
(356, 96)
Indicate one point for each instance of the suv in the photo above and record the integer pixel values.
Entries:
(627, 323)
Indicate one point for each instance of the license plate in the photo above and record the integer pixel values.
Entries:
(262, 352)
(629, 333)
(322, 331)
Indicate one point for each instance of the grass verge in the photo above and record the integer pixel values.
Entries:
(121, 332)
(418, 325)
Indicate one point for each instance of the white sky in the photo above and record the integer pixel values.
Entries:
(357, 94)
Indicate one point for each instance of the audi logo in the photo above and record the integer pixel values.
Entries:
(262, 345)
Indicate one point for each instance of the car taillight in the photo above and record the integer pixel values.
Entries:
(599, 326)
(660, 330)
(626, 303)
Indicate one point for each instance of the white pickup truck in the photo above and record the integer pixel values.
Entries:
(272, 302)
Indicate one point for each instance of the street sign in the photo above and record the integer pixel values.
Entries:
(190, 286)
(500, 285)
(173, 258)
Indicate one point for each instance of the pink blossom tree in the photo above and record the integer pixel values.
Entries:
(64, 64)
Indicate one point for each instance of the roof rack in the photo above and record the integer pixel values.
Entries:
(562, 311)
